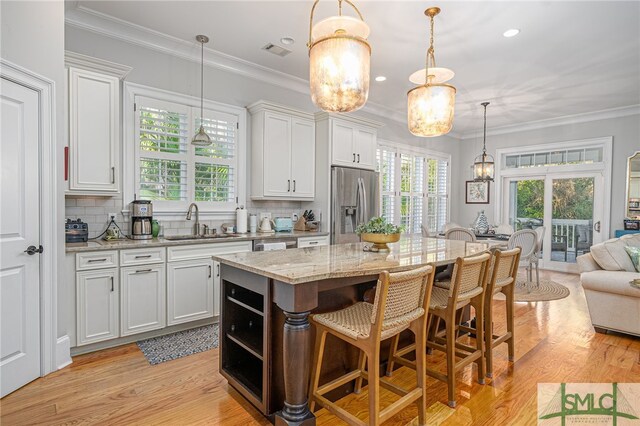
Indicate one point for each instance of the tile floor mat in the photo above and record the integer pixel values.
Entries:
(176, 345)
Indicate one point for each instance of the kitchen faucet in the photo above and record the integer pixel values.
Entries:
(196, 227)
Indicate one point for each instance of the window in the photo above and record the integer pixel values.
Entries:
(170, 171)
(413, 188)
(554, 158)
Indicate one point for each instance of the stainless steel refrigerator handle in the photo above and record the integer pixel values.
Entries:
(361, 199)
(365, 213)
(358, 203)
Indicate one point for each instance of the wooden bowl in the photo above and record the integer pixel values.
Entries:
(380, 241)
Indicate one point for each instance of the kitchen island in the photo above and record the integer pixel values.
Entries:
(265, 335)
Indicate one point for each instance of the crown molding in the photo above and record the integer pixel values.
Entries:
(90, 63)
(560, 121)
(106, 25)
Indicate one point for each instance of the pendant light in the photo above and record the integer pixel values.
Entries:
(339, 61)
(484, 165)
(201, 138)
(430, 105)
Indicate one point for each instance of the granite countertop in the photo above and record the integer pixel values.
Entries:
(295, 266)
(99, 245)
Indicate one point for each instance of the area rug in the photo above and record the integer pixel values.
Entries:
(548, 290)
(176, 345)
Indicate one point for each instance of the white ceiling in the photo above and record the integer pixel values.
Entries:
(570, 57)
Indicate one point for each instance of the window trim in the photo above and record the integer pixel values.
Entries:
(422, 152)
(129, 118)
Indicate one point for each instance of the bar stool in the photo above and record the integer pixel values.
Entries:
(503, 280)
(468, 286)
(400, 303)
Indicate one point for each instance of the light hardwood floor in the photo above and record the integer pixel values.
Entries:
(554, 343)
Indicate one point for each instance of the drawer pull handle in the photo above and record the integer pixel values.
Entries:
(218, 274)
(312, 243)
(111, 283)
(97, 260)
(358, 158)
(209, 271)
(143, 271)
(143, 256)
(113, 175)
(354, 158)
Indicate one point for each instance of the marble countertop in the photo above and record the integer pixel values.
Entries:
(99, 245)
(295, 266)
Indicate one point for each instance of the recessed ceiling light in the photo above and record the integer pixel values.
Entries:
(287, 40)
(511, 33)
(381, 78)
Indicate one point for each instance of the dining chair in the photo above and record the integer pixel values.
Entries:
(504, 229)
(448, 226)
(527, 240)
(467, 288)
(401, 302)
(461, 234)
(502, 279)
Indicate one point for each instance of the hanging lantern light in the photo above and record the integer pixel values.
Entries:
(484, 165)
(201, 138)
(339, 61)
(430, 105)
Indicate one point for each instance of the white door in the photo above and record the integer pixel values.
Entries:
(19, 229)
(365, 142)
(142, 299)
(303, 158)
(277, 155)
(97, 304)
(189, 290)
(342, 145)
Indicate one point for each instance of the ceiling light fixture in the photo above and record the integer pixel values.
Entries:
(339, 61)
(430, 105)
(484, 165)
(381, 78)
(201, 138)
(511, 33)
(287, 40)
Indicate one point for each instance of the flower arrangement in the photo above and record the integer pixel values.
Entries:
(379, 225)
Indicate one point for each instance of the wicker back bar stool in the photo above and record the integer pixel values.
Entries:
(401, 302)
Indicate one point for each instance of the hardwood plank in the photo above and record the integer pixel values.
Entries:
(554, 342)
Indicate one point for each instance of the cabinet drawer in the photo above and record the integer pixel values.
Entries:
(201, 251)
(313, 241)
(96, 260)
(143, 256)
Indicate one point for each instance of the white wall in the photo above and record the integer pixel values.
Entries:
(32, 36)
(626, 140)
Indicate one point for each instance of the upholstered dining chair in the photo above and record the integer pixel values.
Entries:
(401, 302)
(527, 240)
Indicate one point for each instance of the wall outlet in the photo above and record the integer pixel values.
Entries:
(265, 214)
(111, 215)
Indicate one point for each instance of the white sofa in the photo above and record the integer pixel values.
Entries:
(605, 274)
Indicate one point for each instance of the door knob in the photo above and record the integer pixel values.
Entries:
(31, 250)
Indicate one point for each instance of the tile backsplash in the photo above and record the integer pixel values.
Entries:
(95, 210)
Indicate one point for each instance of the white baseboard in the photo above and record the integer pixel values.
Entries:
(63, 352)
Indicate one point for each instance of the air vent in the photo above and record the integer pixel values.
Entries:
(276, 50)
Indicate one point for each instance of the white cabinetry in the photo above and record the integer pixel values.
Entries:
(94, 125)
(313, 241)
(97, 305)
(142, 291)
(193, 292)
(352, 141)
(283, 153)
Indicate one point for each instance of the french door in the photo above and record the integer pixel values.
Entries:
(569, 205)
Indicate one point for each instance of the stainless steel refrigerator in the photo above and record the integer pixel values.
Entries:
(354, 200)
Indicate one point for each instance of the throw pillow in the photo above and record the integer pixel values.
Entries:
(634, 254)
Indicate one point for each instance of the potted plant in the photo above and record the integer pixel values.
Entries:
(379, 232)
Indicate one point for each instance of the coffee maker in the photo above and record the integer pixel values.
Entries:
(141, 217)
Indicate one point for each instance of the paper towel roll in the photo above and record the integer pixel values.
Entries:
(253, 223)
(241, 220)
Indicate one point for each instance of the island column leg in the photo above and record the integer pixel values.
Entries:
(296, 347)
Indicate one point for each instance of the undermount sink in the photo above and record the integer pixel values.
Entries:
(199, 237)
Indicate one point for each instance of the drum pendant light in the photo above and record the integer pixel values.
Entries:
(484, 165)
(339, 61)
(201, 138)
(430, 105)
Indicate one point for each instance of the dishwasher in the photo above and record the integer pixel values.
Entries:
(267, 244)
